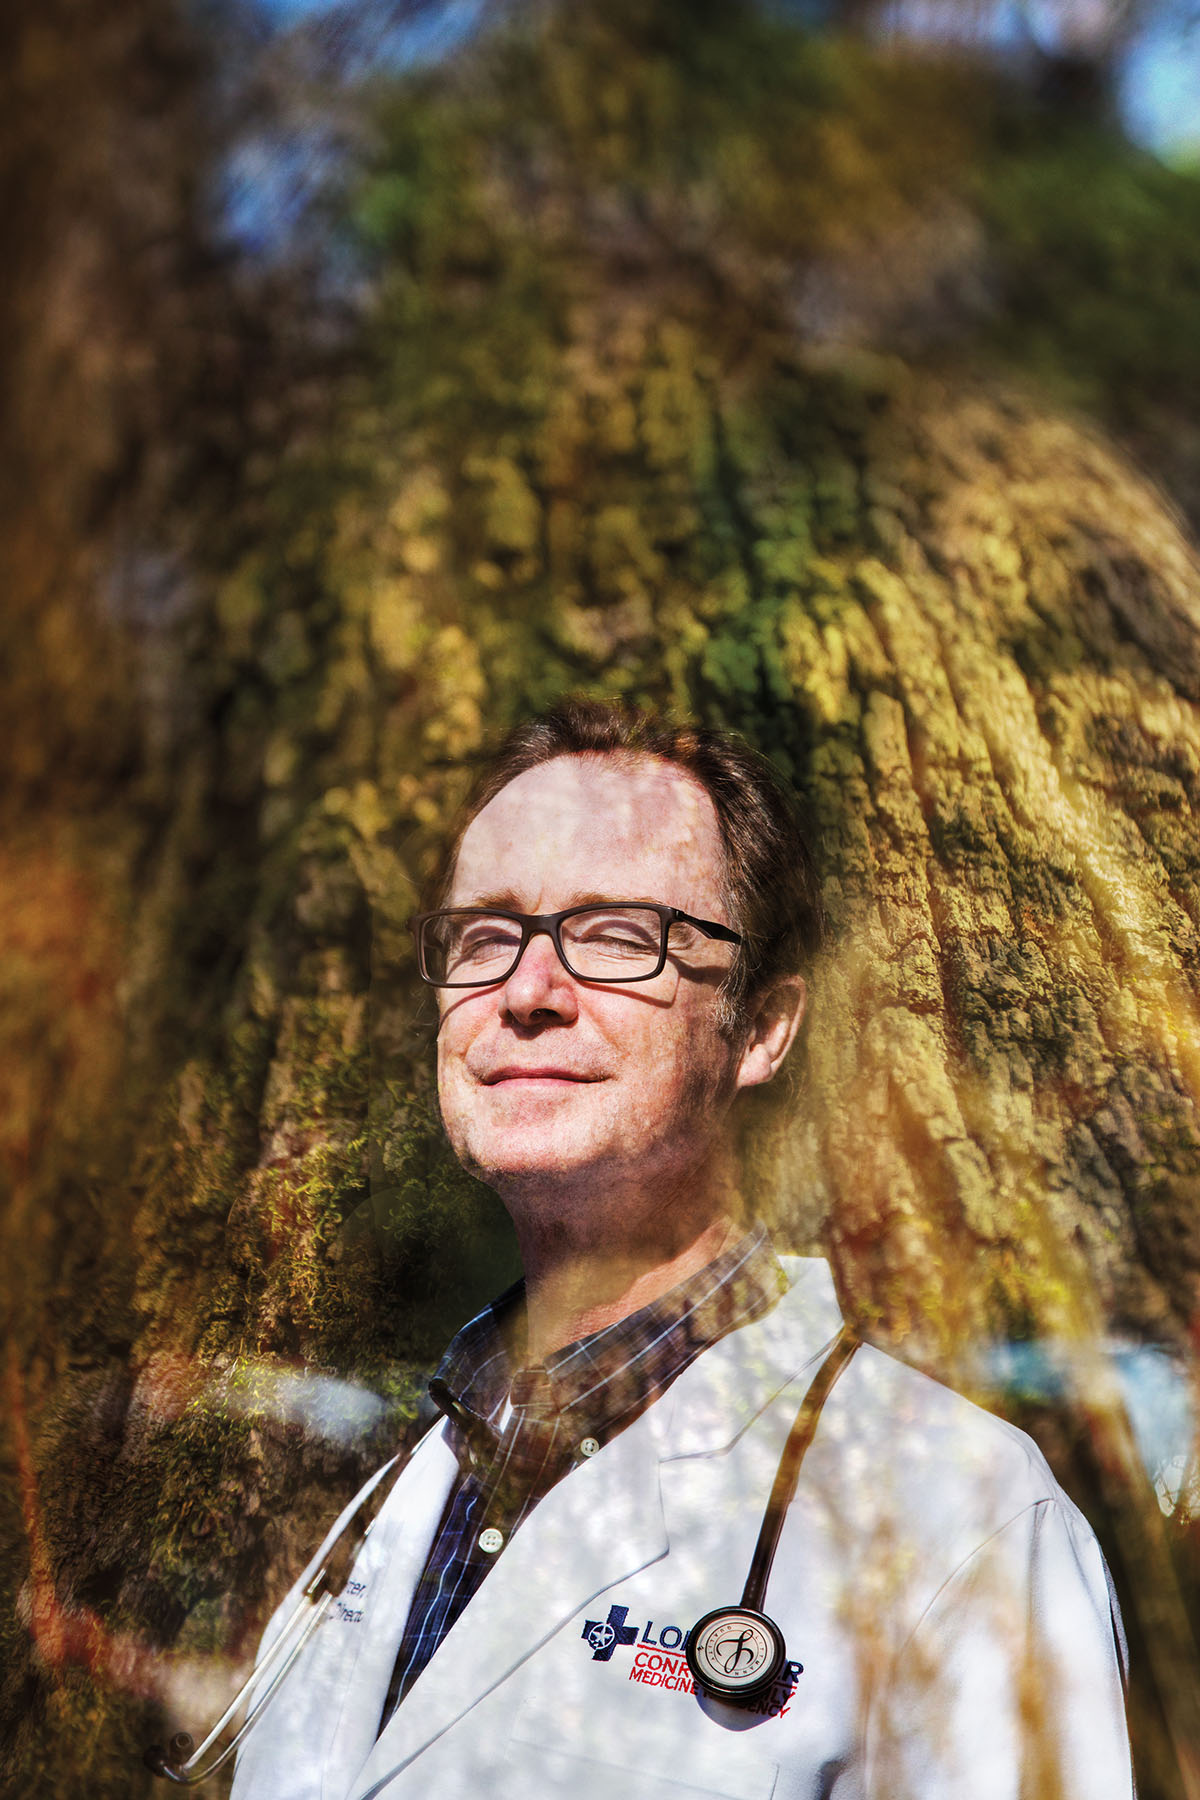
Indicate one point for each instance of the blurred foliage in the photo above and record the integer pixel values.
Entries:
(668, 351)
(1096, 295)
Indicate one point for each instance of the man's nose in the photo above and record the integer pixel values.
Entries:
(540, 987)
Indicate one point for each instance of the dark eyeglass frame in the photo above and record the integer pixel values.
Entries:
(551, 923)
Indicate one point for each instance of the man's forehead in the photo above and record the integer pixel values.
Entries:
(608, 807)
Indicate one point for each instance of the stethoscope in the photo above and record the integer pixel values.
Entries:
(182, 1761)
(734, 1653)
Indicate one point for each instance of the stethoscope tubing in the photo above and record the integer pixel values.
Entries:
(787, 1476)
(188, 1773)
(736, 1654)
(323, 1580)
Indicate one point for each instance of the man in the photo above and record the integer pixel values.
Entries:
(616, 941)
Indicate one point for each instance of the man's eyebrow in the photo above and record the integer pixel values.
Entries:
(505, 900)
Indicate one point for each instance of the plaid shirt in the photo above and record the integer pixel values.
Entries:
(562, 1412)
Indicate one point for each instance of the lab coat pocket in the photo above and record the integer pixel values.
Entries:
(594, 1754)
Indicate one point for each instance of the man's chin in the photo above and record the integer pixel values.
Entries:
(528, 1171)
(540, 1161)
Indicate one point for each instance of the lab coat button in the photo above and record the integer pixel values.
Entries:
(491, 1540)
(589, 1447)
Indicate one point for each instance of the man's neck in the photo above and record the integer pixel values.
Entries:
(570, 1296)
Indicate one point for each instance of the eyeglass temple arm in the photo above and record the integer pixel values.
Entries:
(709, 927)
(323, 1579)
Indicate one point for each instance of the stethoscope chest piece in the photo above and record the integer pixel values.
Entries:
(735, 1653)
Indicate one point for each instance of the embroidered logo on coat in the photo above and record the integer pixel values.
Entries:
(605, 1634)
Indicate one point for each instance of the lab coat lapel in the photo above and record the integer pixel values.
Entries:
(390, 1564)
(712, 1402)
(601, 1524)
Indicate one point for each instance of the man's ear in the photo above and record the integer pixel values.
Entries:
(774, 1022)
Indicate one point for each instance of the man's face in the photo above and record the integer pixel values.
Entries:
(559, 1091)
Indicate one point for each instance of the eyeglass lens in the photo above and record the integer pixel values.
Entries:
(609, 943)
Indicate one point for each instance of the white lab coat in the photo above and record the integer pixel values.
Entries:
(947, 1602)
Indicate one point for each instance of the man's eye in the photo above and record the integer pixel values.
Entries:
(483, 943)
(616, 933)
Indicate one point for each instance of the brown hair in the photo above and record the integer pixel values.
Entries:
(769, 882)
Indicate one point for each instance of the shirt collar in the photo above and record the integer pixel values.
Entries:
(606, 1379)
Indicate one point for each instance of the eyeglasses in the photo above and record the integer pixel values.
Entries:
(620, 940)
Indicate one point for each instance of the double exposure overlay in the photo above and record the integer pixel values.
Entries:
(381, 373)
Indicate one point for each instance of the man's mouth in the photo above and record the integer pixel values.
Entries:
(547, 1072)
